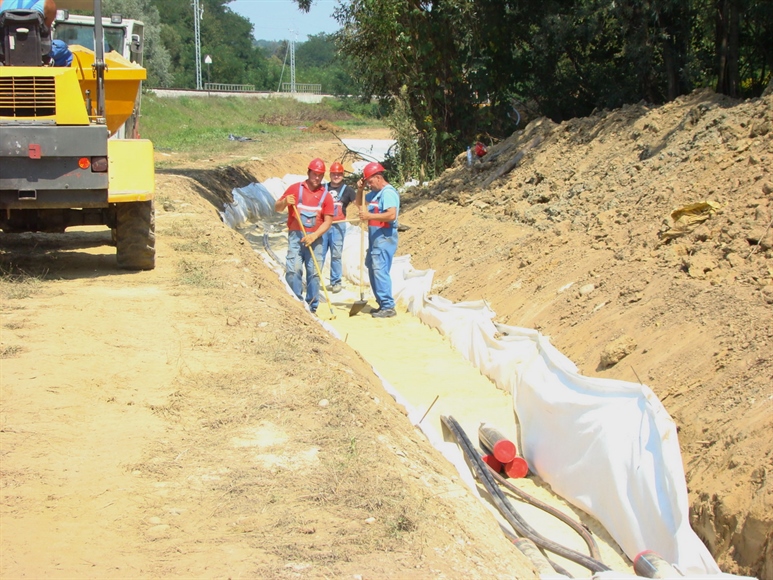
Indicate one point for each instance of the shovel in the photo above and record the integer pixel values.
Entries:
(361, 303)
(314, 259)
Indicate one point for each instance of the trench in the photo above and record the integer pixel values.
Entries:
(417, 365)
(419, 361)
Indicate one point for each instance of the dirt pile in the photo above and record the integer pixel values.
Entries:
(569, 229)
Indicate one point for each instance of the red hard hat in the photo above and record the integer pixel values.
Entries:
(371, 169)
(317, 165)
(336, 168)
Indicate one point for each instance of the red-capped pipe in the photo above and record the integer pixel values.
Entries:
(493, 463)
(495, 443)
(517, 468)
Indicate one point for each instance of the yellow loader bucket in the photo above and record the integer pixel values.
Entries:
(122, 83)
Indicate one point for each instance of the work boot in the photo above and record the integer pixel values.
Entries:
(384, 313)
(336, 288)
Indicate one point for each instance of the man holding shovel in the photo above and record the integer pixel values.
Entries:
(379, 207)
(311, 203)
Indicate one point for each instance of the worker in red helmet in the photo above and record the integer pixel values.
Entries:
(379, 207)
(314, 206)
(333, 240)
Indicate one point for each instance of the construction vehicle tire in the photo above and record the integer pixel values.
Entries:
(135, 235)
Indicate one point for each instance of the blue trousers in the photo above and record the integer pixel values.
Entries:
(333, 240)
(378, 260)
(299, 259)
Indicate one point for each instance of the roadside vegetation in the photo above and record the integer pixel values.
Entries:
(205, 127)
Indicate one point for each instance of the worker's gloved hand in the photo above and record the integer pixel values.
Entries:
(290, 200)
(309, 239)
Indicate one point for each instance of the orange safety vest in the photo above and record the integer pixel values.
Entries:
(373, 208)
(310, 214)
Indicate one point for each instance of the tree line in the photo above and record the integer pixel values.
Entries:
(463, 70)
(465, 65)
(237, 57)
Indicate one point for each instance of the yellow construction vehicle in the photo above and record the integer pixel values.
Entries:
(59, 167)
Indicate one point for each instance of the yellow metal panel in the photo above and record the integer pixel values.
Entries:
(52, 93)
(122, 82)
(70, 106)
(131, 171)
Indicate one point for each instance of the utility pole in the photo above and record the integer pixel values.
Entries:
(197, 14)
(292, 63)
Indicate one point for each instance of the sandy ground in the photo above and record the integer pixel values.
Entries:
(196, 421)
(153, 420)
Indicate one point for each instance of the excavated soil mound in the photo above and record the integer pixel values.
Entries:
(640, 241)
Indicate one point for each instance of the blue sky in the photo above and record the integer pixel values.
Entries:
(273, 19)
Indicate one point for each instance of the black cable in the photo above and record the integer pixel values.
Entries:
(269, 250)
(507, 510)
(516, 541)
(579, 528)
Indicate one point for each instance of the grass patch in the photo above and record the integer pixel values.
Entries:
(19, 284)
(204, 246)
(202, 125)
(180, 228)
(197, 275)
(10, 350)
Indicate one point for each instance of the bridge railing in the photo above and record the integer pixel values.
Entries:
(311, 88)
(228, 87)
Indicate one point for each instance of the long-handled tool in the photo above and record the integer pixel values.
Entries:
(314, 259)
(361, 303)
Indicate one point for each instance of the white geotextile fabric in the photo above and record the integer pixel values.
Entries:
(607, 446)
(255, 202)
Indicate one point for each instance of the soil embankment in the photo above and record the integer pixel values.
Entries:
(569, 229)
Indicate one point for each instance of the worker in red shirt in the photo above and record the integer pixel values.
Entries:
(314, 206)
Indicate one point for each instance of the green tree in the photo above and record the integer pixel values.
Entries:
(156, 57)
(464, 63)
(318, 61)
(425, 47)
(226, 36)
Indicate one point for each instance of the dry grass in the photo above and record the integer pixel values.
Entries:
(197, 274)
(16, 284)
(11, 350)
(299, 480)
(197, 246)
(180, 228)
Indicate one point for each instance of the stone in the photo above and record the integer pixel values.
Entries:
(616, 351)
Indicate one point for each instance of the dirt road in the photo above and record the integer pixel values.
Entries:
(169, 423)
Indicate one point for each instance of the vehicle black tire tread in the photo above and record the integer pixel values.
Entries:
(135, 235)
